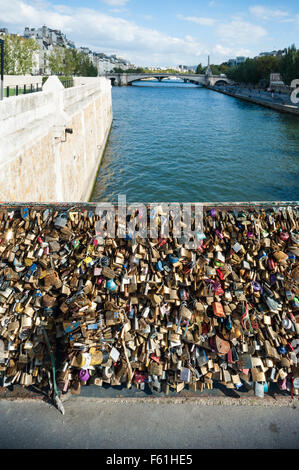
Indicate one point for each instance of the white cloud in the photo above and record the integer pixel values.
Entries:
(265, 13)
(199, 20)
(222, 51)
(147, 17)
(103, 32)
(240, 33)
(115, 3)
(117, 10)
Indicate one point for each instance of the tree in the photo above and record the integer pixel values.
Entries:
(28, 48)
(19, 55)
(289, 64)
(55, 59)
(70, 61)
(259, 69)
(224, 67)
(199, 69)
(267, 65)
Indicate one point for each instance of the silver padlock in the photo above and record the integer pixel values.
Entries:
(61, 220)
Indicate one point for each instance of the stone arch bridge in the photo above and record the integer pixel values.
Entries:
(125, 79)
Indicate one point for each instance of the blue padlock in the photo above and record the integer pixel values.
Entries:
(173, 259)
(183, 294)
(110, 284)
(31, 271)
(37, 293)
(132, 313)
(262, 254)
(159, 266)
(228, 324)
(282, 350)
(104, 261)
(24, 213)
(200, 236)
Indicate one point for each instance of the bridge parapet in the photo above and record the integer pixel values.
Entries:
(125, 79)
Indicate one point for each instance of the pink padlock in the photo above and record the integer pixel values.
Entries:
(284, 236)
(282, 384)
(220, 235)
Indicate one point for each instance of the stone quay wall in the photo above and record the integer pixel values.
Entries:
(52, 142)
(284, 104)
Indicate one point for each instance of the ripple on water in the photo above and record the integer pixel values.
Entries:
(184, 143)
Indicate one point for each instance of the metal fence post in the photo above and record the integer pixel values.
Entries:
(2, 68)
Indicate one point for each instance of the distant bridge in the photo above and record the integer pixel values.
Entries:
(125, 79)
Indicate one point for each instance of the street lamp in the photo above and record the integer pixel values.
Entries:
(2, 68)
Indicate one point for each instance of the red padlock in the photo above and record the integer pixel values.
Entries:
(155, 358)
(139, 377)
(220, 274)
(162, 242)
(271, 264)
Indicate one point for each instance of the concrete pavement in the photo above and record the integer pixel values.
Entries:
(91, 423)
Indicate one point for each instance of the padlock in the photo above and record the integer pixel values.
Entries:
(61, 220)
(138, 307)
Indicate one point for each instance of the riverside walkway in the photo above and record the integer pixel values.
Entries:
(274, 100)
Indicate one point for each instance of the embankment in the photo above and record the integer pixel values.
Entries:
(52, 142)
(246, 95)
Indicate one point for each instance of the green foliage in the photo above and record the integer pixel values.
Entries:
(137, 70)
(215, 69)
(199, 69)
(289, 66)
(62, 78)
(56, 61)
(69, 62)
(19, 55)
(84, 66)
(259, 69)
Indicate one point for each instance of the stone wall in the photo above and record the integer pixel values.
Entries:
(52, 142)
(21, 80)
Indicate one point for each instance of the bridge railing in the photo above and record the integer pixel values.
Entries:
(21, 89)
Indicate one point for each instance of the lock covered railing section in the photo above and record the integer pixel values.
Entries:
(193, 305)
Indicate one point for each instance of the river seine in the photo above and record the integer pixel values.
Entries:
(176, 142)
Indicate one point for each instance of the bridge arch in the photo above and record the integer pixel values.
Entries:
(113, 80)
(160, 78)
(221, 81)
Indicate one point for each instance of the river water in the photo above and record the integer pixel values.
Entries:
(176, 142)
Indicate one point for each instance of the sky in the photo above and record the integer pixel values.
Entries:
(163, 32)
